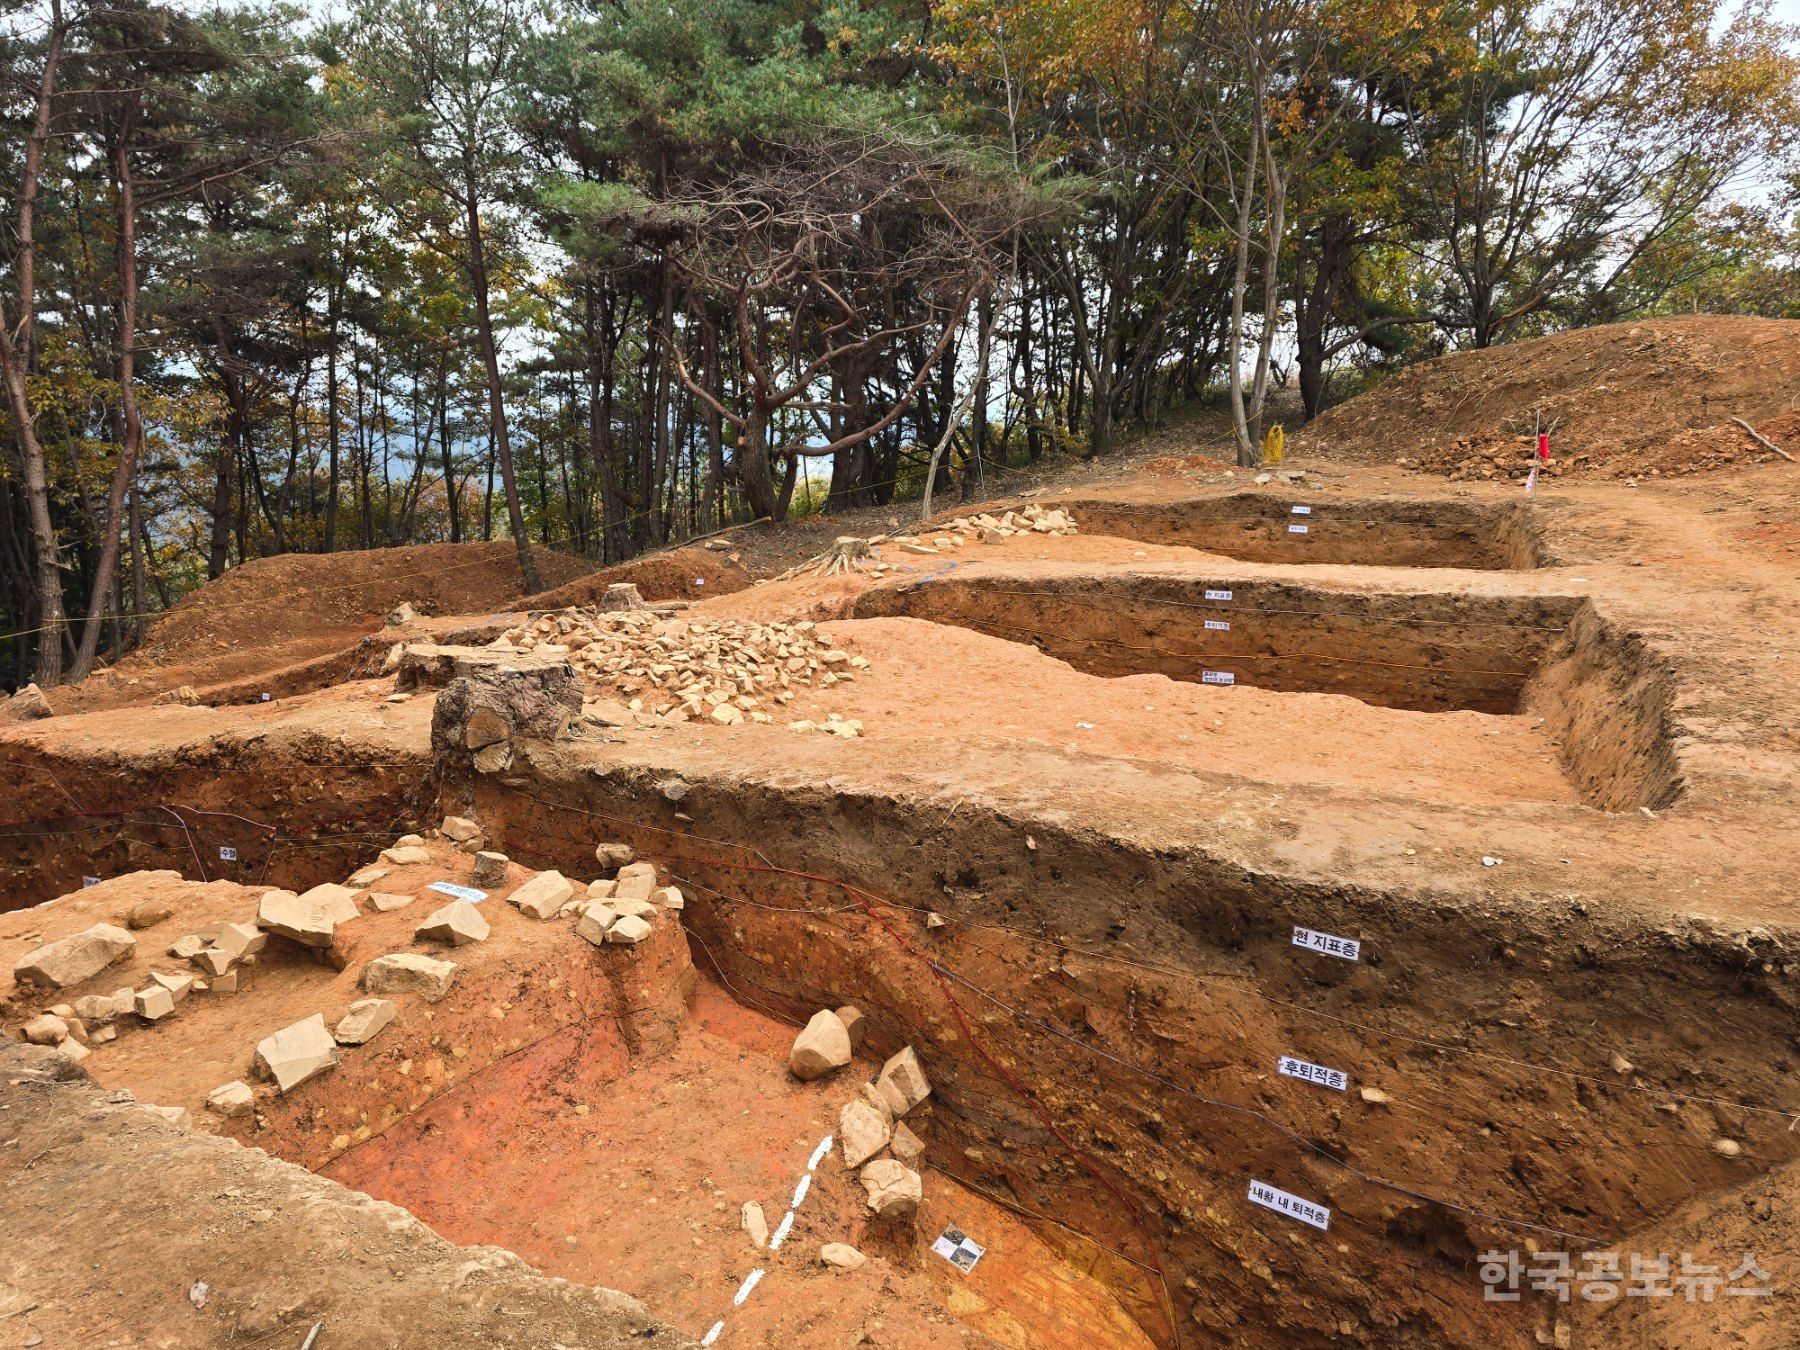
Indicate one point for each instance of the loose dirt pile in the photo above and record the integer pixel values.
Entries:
(692, 573)
(684, 669)
(272, 600)
(1626, 400)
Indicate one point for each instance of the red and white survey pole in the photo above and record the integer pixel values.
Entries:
(1543, 451)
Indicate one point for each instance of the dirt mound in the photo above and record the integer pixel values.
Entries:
(1626, 400)
(301, 595)
(691, 573)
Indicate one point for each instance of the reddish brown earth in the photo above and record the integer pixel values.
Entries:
(1536, 755)
(1647, 398)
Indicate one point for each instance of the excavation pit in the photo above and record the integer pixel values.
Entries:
(1601, 698)
(1297, 527)
(606, 1111)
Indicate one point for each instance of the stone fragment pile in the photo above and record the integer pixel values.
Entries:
(681, 669)
(991, 529)
(876, 1141)
(615, 912)
(621, 909)
(850, 553)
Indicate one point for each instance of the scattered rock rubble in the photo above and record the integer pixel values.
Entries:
(681, 670)
(870, 1124)
(851, 553)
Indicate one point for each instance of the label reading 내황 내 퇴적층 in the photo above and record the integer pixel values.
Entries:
(1273, 1197)
(1218, 595)
(469, 893)
(1217, 677)
(1297, 529)
(1328, 943)
(1219, 625)
(1308, 1072)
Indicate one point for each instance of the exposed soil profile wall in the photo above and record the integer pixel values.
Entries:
(289, 823)
(1607, 701)
(1141, 999)
(1263, 527)
(1426, 653)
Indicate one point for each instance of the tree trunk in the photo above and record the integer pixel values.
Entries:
(334, 301)
(490, 358)
(15, 361)
(753, 466)
(126, 471)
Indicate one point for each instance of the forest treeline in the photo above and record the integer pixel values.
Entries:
(596, 275)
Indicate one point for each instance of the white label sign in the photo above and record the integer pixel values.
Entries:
(1219, 625)
(1296, 529)
(1217, 677)
(469, 893)
(90, 881)
(1218, 595)
(265, 698)
(1308, 1072)
(1347, 948)
(1303, 510)
(1271, 1197)
(227, 853)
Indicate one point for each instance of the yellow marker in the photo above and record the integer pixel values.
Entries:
(1273, 444)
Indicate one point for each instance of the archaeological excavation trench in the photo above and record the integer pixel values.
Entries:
(1103, 996)
(1604, 700)
(1102, 1023)
(1298, 528)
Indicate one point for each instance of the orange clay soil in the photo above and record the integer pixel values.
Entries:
(1577, 909)
(565, 1102)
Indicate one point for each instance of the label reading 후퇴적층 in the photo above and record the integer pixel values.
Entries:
(1218, 595)
(1308, 1072)
(1302, 510)
(1219, 625)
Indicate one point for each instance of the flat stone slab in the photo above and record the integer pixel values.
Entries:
(70, 960)
(457, 923)
(308, 919)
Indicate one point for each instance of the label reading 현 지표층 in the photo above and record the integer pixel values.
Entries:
(227, 853)
(1218, 595)
(1347, 948)
(1302, 510)
(1296, 529)
(1308, 1072)
(1217, 677)
(1219, 625)
(1271, 1197)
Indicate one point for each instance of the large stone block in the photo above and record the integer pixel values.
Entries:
(409, 973)
(821, 1046)
(297, 1053)
(544, 895)
(70, 960)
